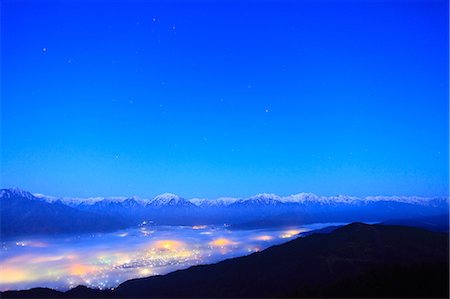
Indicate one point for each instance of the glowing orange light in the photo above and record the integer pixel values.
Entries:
(221, 242)
(145, 272)
(79, 269)
(12, 275)
(290, 233)
(264, 238)
(168, 245)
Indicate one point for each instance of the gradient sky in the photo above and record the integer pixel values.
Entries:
(211, 99)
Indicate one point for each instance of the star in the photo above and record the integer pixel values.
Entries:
(44, 49)
(267, 110)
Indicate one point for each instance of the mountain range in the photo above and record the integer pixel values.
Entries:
(261, 198)
(25, 213)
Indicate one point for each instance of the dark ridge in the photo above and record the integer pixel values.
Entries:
(355, 260)
(33, 293)
(397, 281)
(85, 292)
(438, 223)
(325, 230)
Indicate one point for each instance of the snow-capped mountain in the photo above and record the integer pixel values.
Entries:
(218, 202)
(260, 199)
(301, 198)
(15, 192)
(73, 201)
(166, 199)
(125, 202)
(404, 199)
(169, 199)
(76, 201)
(311, 198)
(23, 212)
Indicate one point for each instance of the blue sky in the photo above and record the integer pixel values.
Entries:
(227, 98)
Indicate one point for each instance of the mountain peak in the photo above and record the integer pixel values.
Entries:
(168, 199)
(167, 196)
(263, 198)
(301, 197)
(15, 192)
(266, 195)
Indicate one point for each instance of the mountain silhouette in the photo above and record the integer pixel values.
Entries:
(354, 260)
(21, 213)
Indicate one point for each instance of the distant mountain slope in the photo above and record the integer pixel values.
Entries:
(355, 260)
(22, 213)
(43, 214)
(439, 223)
(263, 199)
(325, 230)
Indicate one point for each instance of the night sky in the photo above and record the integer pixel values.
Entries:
(209, 99)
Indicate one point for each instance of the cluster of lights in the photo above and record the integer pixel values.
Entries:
(290, 233)
(107, 268)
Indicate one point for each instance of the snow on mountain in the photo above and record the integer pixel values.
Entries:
(262, 198)
(15, 192)
(169, 199)
(76, 201)
(345, 199)
(221, 201)
(301, 198)
(200, 201)
(70, 201)
(141, 201)
(403, 199)
(133, 201)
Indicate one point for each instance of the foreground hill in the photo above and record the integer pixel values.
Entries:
(355, 260)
